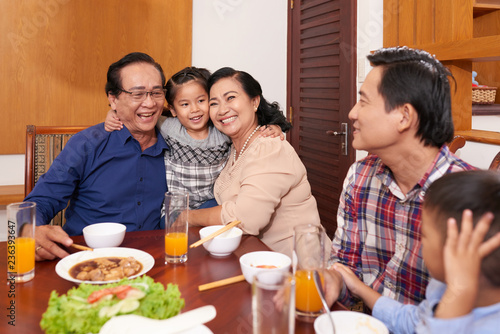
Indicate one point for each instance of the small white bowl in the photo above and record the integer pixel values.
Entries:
(349, 322)
(250, 263)
(223, 244)
(101, 235)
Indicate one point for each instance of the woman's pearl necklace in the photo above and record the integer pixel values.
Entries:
(244, 145)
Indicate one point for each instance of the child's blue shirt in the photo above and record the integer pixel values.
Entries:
(401, 318)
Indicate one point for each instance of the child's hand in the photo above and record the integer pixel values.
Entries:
(463, 254)
(352, 281)
(112, 122)
(356, 286)
(271, 131)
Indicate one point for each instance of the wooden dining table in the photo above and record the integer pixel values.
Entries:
(26, 302)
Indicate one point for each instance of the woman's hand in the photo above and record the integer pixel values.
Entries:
(112, 122)
(271, 131)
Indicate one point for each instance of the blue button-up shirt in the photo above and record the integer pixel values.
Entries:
(106, 178)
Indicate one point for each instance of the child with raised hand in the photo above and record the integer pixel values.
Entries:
(198, 151)
(460, 246)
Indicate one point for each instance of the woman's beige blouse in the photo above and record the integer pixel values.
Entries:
(268, 191)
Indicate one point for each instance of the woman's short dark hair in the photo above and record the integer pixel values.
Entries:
(415, 77)
(187, 74)
(114, 83)
(267, 113)
(478, 191)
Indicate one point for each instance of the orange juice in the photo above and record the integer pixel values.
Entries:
(306, 296)
(176, 243)
(25, 255)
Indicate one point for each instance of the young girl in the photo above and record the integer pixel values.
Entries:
(198, 151)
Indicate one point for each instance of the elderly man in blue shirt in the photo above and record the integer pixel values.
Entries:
(109, 176)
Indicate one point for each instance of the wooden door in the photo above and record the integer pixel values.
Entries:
(321, 91)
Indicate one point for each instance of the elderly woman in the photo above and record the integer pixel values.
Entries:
(264, 183)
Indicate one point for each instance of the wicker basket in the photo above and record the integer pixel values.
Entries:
(483, 95)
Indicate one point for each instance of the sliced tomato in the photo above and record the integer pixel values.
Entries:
(117, 290)
(122, 293)
(96, 295)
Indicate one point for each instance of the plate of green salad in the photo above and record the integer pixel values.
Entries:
(86, 308)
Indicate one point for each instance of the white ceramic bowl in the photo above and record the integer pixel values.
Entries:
(104, 235)
(250, 263)
(223, 244)
(349, 322)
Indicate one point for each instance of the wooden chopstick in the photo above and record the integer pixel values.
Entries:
(222, 282)
(80, 247)
(216, 233)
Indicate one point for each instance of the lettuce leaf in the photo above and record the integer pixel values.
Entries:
(71, 313)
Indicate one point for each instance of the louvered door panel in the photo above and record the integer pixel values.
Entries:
(320, 34)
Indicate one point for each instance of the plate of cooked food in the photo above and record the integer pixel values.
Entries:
(104, 265)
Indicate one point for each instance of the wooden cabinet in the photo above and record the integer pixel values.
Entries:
(464, 35)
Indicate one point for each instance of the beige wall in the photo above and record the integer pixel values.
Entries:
(54, 55)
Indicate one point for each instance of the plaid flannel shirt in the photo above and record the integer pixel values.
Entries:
(378, 233)
(193, 165)
(194, 171)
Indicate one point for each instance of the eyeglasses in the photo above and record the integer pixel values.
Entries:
(139, 96)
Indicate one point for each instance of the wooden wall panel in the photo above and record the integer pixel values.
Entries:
(54, 56)
(443, 23)
(407, 22)
(462, 19)
(453, 20)
(423, 26)
(391, 23)
(461, 94)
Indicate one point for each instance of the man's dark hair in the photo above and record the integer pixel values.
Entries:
(114, 83)
(415, 77)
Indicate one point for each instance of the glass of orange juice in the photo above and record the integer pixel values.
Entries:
(309, 255)
(21, 221)
(176, 226)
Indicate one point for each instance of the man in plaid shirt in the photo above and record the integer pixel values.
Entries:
(403, 119)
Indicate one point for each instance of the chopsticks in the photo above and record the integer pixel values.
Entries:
(80, 247)
(216, 233)
(222, 282)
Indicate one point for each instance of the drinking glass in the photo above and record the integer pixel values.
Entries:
(273, 302)
(176, 227)
(309, 255)
(21, 221)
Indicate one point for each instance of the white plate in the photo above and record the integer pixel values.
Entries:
(201, 329)
(350, 322)
(64, 265)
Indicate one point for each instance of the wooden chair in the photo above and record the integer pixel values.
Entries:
(495, 164)
(43, 144)
(456, 143)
